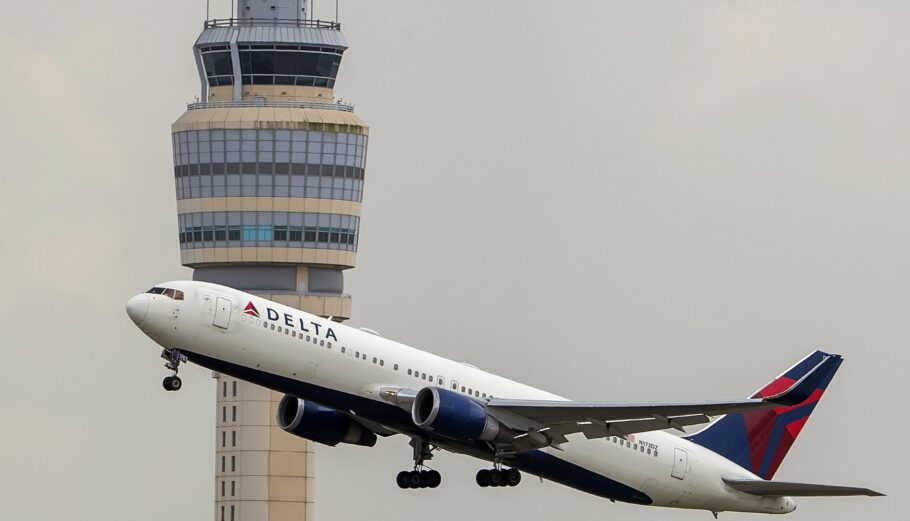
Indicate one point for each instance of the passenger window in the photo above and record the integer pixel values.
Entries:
(287, 331)
(265, 325)
(484, 395)
(477, 394)
(322, 343)
(409, 372)
(431, 378)
(308, 338)
(470, 391)
(328, 345)
(342, 349)
(382, 362)
(649, 450)
(423, 376)
(357, 354)
(294, 334)
(462, 388)
(315, 341)
(279, 329)
(273, 327)
(374, 359)
(395, 367)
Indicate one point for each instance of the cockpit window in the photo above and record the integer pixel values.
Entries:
(175, 294)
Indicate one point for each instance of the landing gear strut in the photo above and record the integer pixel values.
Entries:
(173, 357)
(498, 476)
(420, 477)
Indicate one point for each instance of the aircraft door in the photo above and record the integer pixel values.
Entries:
(680, 463)
(222, 313)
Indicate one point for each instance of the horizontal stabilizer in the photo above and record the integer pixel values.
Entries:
(761, 487)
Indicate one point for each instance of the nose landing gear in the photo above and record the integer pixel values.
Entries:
(173, 359)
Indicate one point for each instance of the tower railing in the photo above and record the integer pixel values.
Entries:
(199, 105)
(252, 22)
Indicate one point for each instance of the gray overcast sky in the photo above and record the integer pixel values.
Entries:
(609, 200)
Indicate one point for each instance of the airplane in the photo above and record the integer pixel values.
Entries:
(345, 385)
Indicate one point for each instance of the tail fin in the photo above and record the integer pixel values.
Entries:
(759, 440)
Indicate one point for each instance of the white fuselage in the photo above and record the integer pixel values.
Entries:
(292, 345)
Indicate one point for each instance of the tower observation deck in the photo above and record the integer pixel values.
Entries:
(269, 173)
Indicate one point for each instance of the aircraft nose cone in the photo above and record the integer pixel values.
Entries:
(137, 307)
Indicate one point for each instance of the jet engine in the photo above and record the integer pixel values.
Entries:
(321, 424)
(453, 415)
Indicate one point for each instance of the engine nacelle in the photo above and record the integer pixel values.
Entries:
(321, 424)
(453, 415)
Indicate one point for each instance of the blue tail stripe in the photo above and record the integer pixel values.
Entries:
(777, 433)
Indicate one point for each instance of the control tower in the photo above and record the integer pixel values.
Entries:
(269, 172)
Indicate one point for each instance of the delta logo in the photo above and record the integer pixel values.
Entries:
(251, 310)
(304, 326)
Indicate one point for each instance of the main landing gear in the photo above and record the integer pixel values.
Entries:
(498, 477)
(420, 477)
(173, 358)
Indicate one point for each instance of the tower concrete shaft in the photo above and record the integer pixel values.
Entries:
(269, 173)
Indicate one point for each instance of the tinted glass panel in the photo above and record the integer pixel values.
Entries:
(285, 63)
(261, 62)
(327, 65)
(209, 65)
(306, 64)
(221, 62)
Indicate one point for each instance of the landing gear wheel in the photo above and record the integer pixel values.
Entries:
(513, 477)
(496, 478)
(174, 358)
(433, 478)
(483, 477)
(403, 479)
(172, 383)
(415, 480)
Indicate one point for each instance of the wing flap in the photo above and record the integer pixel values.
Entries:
(760, 487)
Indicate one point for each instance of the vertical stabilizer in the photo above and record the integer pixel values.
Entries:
(759, 440)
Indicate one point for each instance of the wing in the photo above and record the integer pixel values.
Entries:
(556, 419)
(761, 487)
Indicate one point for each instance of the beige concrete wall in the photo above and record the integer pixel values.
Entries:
(268, 204)
(196, 257)
(273, 475)
(270, 118)
(273, 92)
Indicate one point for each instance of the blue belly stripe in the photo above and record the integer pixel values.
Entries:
(534, 462)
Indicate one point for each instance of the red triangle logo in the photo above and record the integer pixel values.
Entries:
(251, 310)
